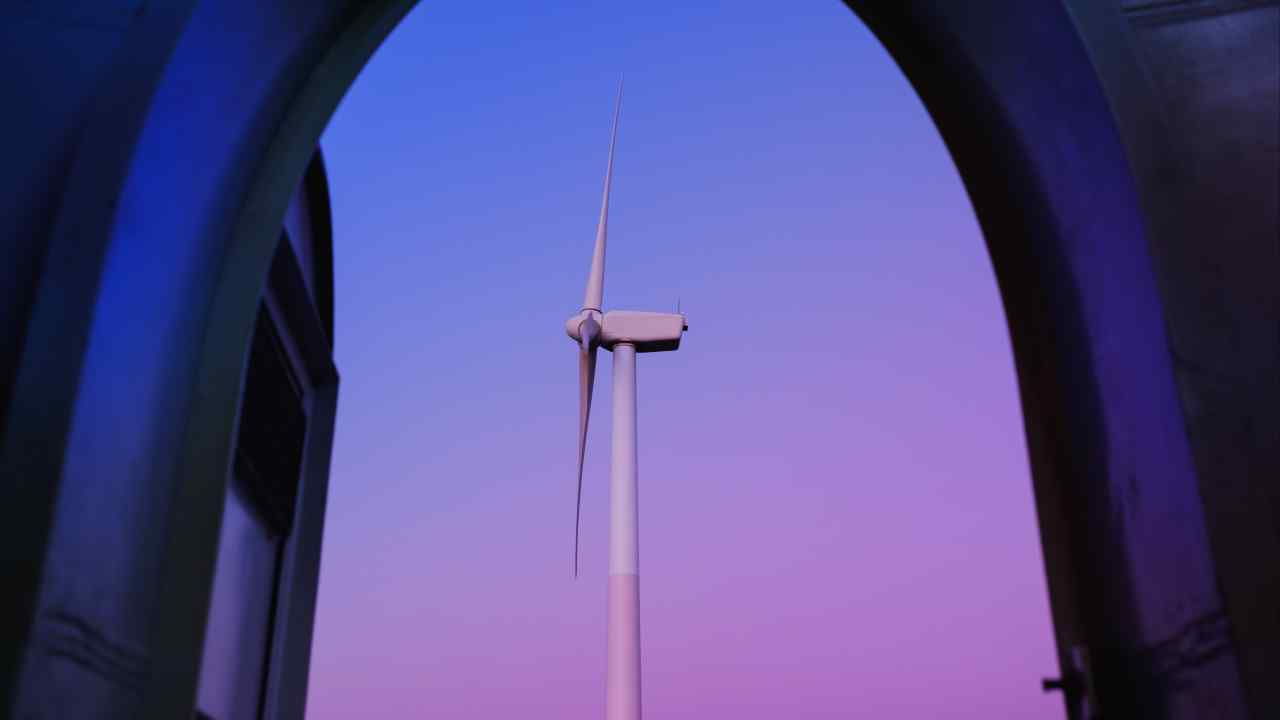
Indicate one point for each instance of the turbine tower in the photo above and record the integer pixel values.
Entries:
(625, 333)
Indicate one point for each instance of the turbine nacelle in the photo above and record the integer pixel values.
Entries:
(647, 331)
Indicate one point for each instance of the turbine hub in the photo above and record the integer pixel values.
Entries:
(573, 326)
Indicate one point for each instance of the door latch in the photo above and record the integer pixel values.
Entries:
(1076, 686)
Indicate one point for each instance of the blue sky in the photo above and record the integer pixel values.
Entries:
(836, 511)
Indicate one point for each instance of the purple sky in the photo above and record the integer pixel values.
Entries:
(836, 511)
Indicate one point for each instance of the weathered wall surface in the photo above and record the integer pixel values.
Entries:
(1195, 86)
(55, 57)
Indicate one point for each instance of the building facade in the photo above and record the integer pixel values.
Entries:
(262, 601)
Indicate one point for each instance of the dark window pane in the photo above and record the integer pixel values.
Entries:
(273, 428)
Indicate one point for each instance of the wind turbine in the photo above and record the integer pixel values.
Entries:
(625, 333)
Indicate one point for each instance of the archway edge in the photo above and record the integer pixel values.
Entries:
(1011, 90)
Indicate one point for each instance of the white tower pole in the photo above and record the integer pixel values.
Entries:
(623, 690)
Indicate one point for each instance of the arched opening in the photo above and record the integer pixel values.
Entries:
(1017, 101)
(836, 505)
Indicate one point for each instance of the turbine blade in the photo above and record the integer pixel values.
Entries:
(586, 384)
(595, 281)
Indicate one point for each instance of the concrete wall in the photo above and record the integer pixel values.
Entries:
(1195, 86)
(56, 57)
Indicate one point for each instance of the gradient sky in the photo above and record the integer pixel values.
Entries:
(836, 510)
